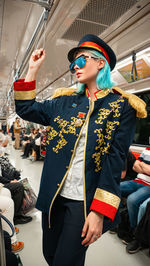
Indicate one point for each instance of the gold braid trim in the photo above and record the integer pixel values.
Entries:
(63, 91)
(107, 197)
(24, 95)
(138, 104)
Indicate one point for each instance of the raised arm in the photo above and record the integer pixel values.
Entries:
(24, 90)
(35, 62)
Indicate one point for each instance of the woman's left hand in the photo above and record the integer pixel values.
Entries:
(92, 228)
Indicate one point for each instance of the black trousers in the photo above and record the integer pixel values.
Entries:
(17, 193)
(62, 242)
(28, 149)
(36, 148)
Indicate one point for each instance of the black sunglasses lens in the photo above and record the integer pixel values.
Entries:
(80, 62)
(72, 67)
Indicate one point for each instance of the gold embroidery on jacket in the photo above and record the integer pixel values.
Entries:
(52, 133)
(66, 127)
(115, 107)
(61, 142)
(110, 126)
(104, 137)
(105, 112)
(102, 115)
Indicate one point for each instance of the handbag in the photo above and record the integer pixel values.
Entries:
(30, 198)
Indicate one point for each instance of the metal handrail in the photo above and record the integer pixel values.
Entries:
(39, 2)
(42, 21)
(2, 244)
(2, 247)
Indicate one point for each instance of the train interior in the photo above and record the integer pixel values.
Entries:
(57, 26)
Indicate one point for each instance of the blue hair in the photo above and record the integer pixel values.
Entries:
(103, 80)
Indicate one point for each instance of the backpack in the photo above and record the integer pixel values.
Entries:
(8, 170)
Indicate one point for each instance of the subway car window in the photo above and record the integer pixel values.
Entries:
(142, 133)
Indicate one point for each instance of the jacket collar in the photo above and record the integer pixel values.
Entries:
(98, 94)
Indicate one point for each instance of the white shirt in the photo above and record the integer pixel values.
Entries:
(145, 157)
(73, 185)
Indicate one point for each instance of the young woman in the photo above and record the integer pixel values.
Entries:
(90, 131)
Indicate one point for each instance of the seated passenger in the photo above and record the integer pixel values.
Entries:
(128, 173)
(17, 192)
(22, 134)
(135, 245)
(29, 145)
(36, 146)
(3, 143)
(25, 139)
(138, 190)
(7, 209)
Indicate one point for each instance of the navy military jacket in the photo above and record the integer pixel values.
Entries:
(110, 129)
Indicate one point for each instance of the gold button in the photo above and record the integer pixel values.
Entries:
(72, 151)
(77, 135)
(67, 167)
(58, 185)
(87, 107)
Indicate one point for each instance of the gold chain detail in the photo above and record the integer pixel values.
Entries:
(103, 144)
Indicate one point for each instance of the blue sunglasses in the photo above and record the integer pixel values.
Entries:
(80, 62)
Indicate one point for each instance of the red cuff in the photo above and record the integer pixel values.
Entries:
(139, 160)
(103, 208)
(20, 85)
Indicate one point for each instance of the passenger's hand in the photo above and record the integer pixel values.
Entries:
(14, 181)
(137, 167)
(92, 228)
(36, 59)
(35, 62)
(123, 174)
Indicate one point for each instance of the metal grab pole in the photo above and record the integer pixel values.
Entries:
(42, 3)
(2, 246)
(134, 70)
(30, 45)
(40, 24)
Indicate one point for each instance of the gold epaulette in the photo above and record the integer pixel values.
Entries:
(63, 91)
(138, 104)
